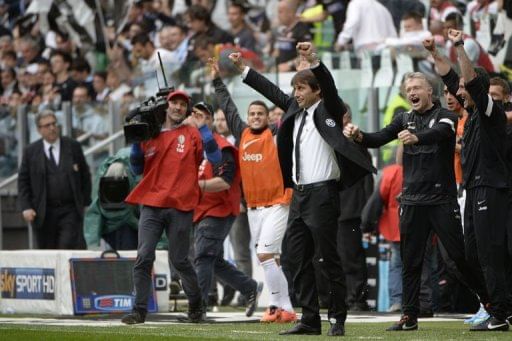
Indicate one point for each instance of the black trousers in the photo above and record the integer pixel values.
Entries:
(416, 224)
(62, 229)
(485, 225)
(353, 259)
(310, 243)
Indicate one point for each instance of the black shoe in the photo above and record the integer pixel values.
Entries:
(196, 314)
(509, 320)
(337, 329)
(252, 299)
(175, 287)
(491, 324)
(406, 323)
(135, 317)
(302, 329)
(426, 313)
(227, 297)
(359, 306)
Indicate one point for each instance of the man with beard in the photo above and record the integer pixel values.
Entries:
(486, 177)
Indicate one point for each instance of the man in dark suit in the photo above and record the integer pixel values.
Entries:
(54, 187)
(312, 127)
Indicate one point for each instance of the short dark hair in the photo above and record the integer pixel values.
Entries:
(483, 77)
(198, 12)
(261, 103)
(413, 15)
(81, 65)
(11, 71)
(241, 4)
(501, 82)
(456, 18)
(203, 40)
(307, 77)
(141, 38)
(10, 53)
(65, 56)
(101, 74)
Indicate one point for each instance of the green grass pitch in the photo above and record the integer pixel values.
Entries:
(240, 331)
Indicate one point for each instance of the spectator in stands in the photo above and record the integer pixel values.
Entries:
(50, 97)
(174, 39)
(399, 8)
(368, 25)
(86, 120)
(199, 22)
(81, 74)
(145, 52)
(440, 9)
(9, 59)
(30, 51)
(61, 63)
(54, 187)
(117, 88)
(8, 82)
(242, 33)
(99, 83)
(412, 36)
(291, 31)
(337, 9)
(475, 52)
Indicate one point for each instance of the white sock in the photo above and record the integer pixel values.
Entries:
(286, 304)
(273, 275)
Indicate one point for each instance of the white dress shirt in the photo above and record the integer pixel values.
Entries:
(55, 151)
(368, 24)
(317, 158)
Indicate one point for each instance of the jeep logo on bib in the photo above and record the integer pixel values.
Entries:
(330, 122)
(252, 157)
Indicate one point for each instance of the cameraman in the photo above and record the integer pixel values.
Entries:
(168, 193)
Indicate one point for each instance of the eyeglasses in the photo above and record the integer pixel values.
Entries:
(48, 125)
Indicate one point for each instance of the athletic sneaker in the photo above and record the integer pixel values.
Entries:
(491, 324)
(480, 316)
(405, 324)
(271, 314)
(286, 316)
(252, 299)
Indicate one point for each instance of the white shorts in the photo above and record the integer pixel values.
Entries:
(268, 225)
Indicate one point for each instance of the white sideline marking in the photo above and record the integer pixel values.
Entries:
(220, 317)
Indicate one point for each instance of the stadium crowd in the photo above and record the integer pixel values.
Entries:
(295, 178)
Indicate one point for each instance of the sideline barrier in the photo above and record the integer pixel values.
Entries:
(39, 281)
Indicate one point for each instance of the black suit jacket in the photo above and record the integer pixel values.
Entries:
(32, 177)
(328, 119)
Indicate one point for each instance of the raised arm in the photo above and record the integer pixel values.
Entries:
(261, 84)
(235, 123)
(443, 65)
(444, 69)
(474, 82)
(332, 102)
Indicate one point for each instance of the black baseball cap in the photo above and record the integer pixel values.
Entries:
(203, 106)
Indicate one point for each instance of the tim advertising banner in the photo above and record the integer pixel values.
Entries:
(27, 283)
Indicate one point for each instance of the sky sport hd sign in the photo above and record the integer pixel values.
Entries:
(27, 283)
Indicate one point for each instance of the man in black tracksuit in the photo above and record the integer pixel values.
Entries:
(485, 175)
(429, 194)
